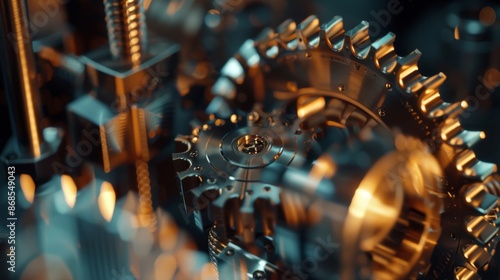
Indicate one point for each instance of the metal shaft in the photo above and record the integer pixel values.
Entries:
(19, 71)
(126, 29)
(146, 215)
(140, 148)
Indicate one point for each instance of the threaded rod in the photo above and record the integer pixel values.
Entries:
(126, 29)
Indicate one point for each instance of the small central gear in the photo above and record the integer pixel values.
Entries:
(252, 144)
(220, 166)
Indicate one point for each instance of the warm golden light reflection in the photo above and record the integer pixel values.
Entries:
(219, 122)
(456, 33)
(234, 118)
(208, 272)
(46, 267)
(491, 78)
(69, 189)
(147, 3)
(27, 187)
(487, 16)
(27, 74)
(464, 104)
(293, 208)
(463, 161)
(359, 203)
(405, 73)
(104, 144)
(243, 269)
(315, 213)
(106, 201)
(307, 105)
(174, 6)
(146, 213)
(165, 267)
(335, 124)
(51, 55)
(324, 167)
(168, 233)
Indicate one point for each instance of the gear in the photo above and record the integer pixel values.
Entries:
(369, 79)
(343, 76)
(219, 169)
(233, 262)
(370, 195)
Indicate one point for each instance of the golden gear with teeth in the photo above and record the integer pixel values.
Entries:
(327, 64)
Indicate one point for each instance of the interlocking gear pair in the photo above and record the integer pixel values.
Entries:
(315, 81)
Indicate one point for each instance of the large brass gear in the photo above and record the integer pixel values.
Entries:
(327, 69)
(377, 196)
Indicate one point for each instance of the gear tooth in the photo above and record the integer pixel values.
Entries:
(478, 197)
(287, 35)
(493, 184)
(265, 36)
(430, 101)
(456, 109)
(411, 59)
(384, 55)
(434, 82)
(182, 145)
(287, 29)
(358, 40)
(266, 43)
(476, 256)
(415, 84)
(177, 156)
(224, 87)
(181, 164)
(454, 135)
(246, 226)
(331, 33)
(309, 105)
(408, 76)
(470, 167)
(481, 229)
(234, 70)
(462, 273)
(219, 107)
(306, 32)
(432, 105)
(249, 56)
(189, 184)
(184, 174)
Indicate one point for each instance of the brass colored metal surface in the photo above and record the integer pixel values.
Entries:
(23, 94)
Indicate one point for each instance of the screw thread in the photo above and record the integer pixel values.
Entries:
(126, 29)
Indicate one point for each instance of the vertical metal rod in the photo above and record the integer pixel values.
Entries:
(146, 213)
(126, 29)
(19, 71)
(127, 37)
